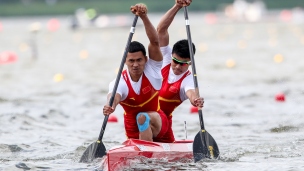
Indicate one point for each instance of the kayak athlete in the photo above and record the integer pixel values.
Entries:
(138, 88)
(178, 84)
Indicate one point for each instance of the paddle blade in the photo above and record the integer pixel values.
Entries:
(200, 150)
(95, 150)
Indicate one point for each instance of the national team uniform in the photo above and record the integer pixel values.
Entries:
(141, 96)
(173, 91)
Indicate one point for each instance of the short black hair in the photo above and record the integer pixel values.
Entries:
(181, 48)
(136, 47)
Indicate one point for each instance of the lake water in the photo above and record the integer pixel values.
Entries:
(51, 105)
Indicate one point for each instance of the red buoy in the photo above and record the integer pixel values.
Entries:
(286, 15)
(280, 97)
(112, 118)
(7, 57)
(53, 24)
(193, 109)
(210, 18)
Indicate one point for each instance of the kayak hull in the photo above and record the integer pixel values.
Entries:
(121, 156)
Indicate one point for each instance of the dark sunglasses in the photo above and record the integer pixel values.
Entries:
(182, 63)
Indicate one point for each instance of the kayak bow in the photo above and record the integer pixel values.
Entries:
(121, 156)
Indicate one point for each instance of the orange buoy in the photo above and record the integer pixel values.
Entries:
(278, 58)
(84, 54)
(112, 118)
(280, 97)
(58, 77)
(193, 109)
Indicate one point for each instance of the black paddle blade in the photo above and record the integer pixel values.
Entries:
(95, 150)
(200, 150)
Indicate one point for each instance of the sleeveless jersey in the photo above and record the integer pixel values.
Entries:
(147, 100)
(169, 94)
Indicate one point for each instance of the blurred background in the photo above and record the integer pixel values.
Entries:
(95, 10)
(57, 58)
(67, 7)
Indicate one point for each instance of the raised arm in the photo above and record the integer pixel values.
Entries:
(166, 20)
(153, 48)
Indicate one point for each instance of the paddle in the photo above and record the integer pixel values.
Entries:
(204, 146)
(97, 149)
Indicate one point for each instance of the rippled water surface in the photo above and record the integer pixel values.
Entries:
(47, 124)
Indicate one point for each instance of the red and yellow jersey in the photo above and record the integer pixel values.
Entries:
(146, 100)
(169, 95)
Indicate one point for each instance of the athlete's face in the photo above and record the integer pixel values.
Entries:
(136, 64)
(179, 65)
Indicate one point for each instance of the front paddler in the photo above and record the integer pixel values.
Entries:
(138, 88)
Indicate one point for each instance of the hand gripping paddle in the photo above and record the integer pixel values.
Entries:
(204, 146)
(97, 149)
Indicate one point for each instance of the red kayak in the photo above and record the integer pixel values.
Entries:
(119, 157)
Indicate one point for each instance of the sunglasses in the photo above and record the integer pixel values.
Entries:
(182, 63)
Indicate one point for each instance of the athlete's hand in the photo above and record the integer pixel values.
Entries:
(199, 102)
(183, 3)
(139, 9)
(107, 110)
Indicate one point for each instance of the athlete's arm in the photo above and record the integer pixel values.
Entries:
(167, 53)
(153, 48)
(197, 102)
(107, 109)
(188, 87)
(152, 71)
(121, 93)
(165, 22)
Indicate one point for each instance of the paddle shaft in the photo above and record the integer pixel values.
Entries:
(200, 113)
(105, 121)
(211, 149)
(193, 66)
